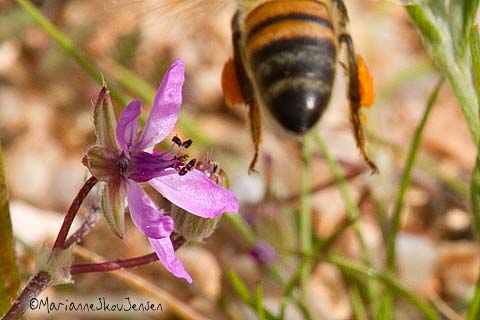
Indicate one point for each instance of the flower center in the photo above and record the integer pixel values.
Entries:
(123, 164)
(143, 166)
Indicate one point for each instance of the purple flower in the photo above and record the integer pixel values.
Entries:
(263, 253)
(119, 160)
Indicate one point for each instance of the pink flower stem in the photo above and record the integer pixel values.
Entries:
(72, 212)
(177, 240)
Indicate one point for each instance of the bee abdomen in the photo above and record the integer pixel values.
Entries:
(294, 76)
(291, 49)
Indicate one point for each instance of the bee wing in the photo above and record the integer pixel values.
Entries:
(167, 12)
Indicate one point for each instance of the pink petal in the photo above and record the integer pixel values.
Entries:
(128, 125)
(166, 254)
(165, 108)
(145, 214)
(196, 193)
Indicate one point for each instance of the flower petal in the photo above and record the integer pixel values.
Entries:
(165, 107)
(196, 193)
(148, 219)
(128, 125)
(113, 206)
(166, 254)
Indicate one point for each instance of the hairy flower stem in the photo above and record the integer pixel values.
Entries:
(72, 212)
(37, 284)
(85, 228)
(177, 241)
(42, 280)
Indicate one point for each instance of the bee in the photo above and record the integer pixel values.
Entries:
(285, 54)
(285, 57)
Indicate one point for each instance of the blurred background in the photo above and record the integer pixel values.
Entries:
(46, 126)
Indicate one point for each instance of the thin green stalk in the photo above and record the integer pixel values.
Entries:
(474, 38)
(244, 294)
(474, 310)
(259, 303)
(242, 227)
(357, 303)
(351, 267)
(475, 179)
(427, 164)
(305, 209)
(66, 44)
(9, 278)
(143, 90)
(320, 248)
(387, 302)
(249, 236)
(352, 211)
(469, 12)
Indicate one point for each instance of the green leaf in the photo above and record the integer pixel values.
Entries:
(475, 56)
(469, 12)
(436, 32)
(425, 20)
(474, 310)
(9, 280)
(246, 297)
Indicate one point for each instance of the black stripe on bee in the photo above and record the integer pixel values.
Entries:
(295, 76)
(295, 57)
(288, 17)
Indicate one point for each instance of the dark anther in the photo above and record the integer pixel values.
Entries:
(191, 164)
(188, 167)
(177, 141)
(187, 143)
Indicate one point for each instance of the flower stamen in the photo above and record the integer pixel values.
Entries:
(188, 167)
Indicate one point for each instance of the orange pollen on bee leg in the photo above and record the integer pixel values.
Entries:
(367, 90)
(230, 85)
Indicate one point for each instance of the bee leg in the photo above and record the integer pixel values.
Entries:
(238, 89)
(353, 91)
(256, 133)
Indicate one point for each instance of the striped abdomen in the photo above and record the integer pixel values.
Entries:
(291, 49)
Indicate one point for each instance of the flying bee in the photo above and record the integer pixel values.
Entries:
(284, 61)
(285, 55)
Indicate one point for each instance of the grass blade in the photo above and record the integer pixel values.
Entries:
(469, 12)
(305, 210)
(350, 267)
(137, 85)
(67, 45)
(9, 280)
(474, 310)
(245, 296)
(387, 302)
(352, 211)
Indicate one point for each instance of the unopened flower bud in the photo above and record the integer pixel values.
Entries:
(190, 226)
